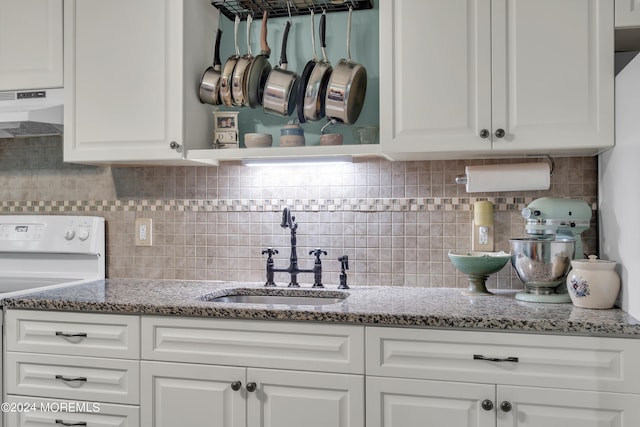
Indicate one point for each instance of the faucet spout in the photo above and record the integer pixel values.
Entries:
(287, 220)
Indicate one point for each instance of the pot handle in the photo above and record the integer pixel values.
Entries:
(235, 34)
(313, 37)
(264, 46)
(283, 52)
(349, 34)
(249, 21)
(216, 55)
(323, 35)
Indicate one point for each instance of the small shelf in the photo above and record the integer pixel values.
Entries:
(278, 8)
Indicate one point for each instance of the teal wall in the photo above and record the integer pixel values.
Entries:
(364, 50)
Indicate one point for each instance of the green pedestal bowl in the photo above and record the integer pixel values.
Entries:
(478, 266)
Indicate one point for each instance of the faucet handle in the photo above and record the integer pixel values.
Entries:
(317, 252)
(270, 252)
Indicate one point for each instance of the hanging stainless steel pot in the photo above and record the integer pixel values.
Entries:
(259, 70)
(316, 89)
(347, 86)
(282, 85)
(240, 71)
(306, 74)
(227, 72)
(210, 82)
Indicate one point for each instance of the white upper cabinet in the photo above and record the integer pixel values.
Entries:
(132, 68)
(627, 13)
(30, 44)
(492, 77)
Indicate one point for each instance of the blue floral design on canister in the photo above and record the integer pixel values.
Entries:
(579, 287)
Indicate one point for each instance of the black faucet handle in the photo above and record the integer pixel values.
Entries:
(317, 252)
(270, 252)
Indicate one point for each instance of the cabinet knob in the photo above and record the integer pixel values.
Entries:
(500, 133)
(487, 405)
(174, 145)
(251, 387)
(484, 133)
(235, 386)
(506, 406)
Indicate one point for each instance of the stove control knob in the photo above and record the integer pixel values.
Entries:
(83, 234)
(69, 234)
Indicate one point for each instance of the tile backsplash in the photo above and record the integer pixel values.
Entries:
(395, 220)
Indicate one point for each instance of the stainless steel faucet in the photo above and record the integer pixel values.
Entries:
(293, 269)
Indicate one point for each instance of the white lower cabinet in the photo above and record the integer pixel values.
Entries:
(166, 371)
(227, 396)
(71, 369)
(237, 373)
(490, 379)
(174, 394)
(401, 402)
(38, 412)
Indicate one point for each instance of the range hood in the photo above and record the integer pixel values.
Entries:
(27, 113)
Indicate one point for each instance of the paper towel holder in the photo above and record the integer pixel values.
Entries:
(462, 179)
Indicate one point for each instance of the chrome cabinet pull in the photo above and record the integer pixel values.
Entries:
(500, 133)
(495, 359)
(71, 335)
(65, 423)
(235, 386)
(251, 387)
(484, 133)
(63, 378)
(487, 405)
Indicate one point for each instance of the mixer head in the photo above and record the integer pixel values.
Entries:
(553, 217)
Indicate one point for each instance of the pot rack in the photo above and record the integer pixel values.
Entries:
(280, 8)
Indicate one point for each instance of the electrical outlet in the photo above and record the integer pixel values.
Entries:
(143, 234)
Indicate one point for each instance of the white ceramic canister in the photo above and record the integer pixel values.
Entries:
(593, 283)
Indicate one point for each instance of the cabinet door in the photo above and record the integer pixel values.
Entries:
(552, 72)
(435, 76)
(175, 394)
(131, 70)
(627, 13)
(396, 402)
(539, 407)
(310, 399)
(30, 44)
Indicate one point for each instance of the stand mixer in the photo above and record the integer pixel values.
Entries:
(543, 260)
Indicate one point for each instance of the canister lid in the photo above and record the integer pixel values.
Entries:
(593, 263)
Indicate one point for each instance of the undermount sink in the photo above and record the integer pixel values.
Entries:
(276, 296)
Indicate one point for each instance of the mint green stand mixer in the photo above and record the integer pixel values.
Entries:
(543, 260)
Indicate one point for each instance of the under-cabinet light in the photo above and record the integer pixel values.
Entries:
(293, 161)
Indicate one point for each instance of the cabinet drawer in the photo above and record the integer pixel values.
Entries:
(67, 377)
(587, 363)
(262, 344)
(48, 411)
(77, 334)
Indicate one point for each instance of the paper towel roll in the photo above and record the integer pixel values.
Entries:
(508, 177)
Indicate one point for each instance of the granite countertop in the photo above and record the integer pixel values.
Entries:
(372, 305)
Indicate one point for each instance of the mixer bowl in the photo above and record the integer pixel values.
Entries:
(541, 264)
